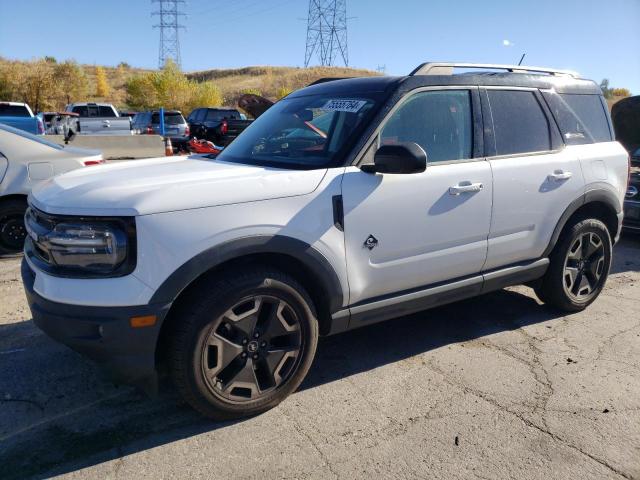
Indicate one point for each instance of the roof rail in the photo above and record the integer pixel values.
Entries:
(446, 68)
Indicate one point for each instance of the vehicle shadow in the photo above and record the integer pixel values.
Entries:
(626, 254)
(58, 415)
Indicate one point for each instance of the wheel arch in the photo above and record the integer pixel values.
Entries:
(601, 204)
(13, 196)
(289, 255)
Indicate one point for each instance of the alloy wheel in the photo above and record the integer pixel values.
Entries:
(12, 232)
(251, 349)
(584, 266)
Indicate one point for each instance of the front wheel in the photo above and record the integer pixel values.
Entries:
(579, 266)
(243, 344)
(12, 230)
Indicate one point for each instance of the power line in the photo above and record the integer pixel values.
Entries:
(169, 26)
(327, 32)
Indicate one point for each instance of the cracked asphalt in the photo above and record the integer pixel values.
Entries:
(496, 387)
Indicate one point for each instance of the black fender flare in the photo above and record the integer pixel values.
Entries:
(599, 195)
(184, 275)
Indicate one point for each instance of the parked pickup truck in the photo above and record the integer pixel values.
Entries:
(100, 119)
(218, 125)
(19, 115)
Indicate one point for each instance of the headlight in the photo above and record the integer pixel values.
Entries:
(80, 246)
(93, 247)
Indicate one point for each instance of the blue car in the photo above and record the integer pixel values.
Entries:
(19, 115)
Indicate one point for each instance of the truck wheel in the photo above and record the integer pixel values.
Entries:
(579, 266)
(243, 343)
(12, 231)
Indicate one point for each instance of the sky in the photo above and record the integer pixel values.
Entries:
(597, 39)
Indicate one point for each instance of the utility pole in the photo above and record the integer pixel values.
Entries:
(169, 13)
(327, 32)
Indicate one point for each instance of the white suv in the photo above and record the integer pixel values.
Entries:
(347, 203)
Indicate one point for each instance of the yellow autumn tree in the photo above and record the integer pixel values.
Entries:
(171, 89)
(102, 85)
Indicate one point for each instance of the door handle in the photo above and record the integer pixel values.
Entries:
(465, 187)
(559, 175)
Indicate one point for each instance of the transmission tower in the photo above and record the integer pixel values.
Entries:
(169, 26)
(327, 31)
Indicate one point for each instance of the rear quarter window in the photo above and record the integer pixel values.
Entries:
(519, 123)
(582, 118)
(106, 111)
(13, 111)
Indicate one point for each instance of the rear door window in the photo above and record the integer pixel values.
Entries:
(581, 118)
(439, 121)
(519, 123)
(81, 111)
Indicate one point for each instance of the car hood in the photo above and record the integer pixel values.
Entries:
(142, 187)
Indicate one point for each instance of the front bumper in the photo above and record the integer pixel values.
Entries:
(102, 334)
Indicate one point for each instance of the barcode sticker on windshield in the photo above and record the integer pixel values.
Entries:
(343, 105)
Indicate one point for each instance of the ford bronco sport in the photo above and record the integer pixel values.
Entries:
(347, 203)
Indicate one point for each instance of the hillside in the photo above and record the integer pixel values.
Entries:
(270, 82)
(23, 80)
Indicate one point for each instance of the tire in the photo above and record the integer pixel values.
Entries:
(579, 266)
(230, 359)
(12, 231)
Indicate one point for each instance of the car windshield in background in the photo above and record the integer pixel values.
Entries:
(28, 135)
(300, 132)
(169, 118)
(13, 110)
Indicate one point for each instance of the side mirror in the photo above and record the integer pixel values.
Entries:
(408, 157)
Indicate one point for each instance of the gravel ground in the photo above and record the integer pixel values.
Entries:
(493, 387)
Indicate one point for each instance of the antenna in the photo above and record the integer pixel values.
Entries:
(327, 32)
(521, 59)
(169, 26)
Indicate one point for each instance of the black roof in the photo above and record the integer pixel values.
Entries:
(562, 84)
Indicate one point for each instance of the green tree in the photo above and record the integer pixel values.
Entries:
(170, 88)
(604, 86)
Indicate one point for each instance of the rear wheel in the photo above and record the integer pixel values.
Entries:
(12, 230)
(579, 266)
(244, 344)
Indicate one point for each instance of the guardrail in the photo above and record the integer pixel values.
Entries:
(118, 147)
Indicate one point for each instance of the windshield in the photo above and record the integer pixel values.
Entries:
(28, 135)
(300, 132)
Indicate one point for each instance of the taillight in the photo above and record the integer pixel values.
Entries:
(149, 129)
(40, 127)
(224, 128)
(89, 163)
(187, 131)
